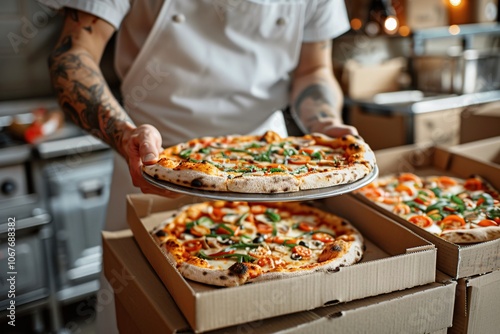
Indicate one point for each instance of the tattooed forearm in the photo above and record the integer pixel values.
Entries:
(314, 103)
(84, 95)
(73, 14)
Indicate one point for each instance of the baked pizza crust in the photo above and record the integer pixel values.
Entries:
(474, 235)
(349, 253)
(275, 183)
(189, 177)
(205, 176)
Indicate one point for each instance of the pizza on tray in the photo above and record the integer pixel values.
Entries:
(458, 210)
(264, 164)
(226, 243)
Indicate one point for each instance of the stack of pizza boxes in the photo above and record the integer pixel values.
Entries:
(393, 289)
(474, 267)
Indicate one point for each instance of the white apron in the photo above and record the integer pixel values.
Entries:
(229, 79)
(233, 77)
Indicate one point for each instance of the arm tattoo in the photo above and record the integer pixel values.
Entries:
(73, 14)
(314, 103)
(84, 95)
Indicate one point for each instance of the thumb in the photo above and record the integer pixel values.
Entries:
(148, 142)
(148, 153)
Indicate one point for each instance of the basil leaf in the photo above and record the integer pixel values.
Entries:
(289, 244)
(437, 206)
(437, 191)
(242, 218)
(204, 150)
(301, 169)
(316, 156)
(205, 221)
(254, 145)
(243, 245)
(273, 216)
(415, 205)
(277, 170)
(185, 153)
(289, 151)
(239, 257)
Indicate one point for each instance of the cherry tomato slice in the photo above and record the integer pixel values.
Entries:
(452, 222)
(487, 222)
(192, 245)
(473, 184)
(323, 237)
(306, 227)
(421, 220)
(404, 177)
(216, 214)
(401, 209)
(446, 181)
(264, 228)
(403, 188)
(373, 194)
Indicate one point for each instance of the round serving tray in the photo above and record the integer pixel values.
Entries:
(302, 195)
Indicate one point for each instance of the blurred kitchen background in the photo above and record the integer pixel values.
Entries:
(412, 71)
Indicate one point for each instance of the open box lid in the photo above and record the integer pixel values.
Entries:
(486, 150)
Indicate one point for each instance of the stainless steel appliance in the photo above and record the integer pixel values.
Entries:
(57, 192)
(77, 174)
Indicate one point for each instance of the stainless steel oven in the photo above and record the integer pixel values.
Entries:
(27, 258)
(77, 175)
(57, 192)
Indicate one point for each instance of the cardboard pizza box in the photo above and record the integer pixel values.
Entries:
(394, 260)
(458, 261)
(387, 128)
(144, 305)
(480, 122)
(486, 150)
(477, 302)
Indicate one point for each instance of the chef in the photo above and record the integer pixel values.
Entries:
(192, 68)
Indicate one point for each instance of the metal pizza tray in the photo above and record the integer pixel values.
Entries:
(302, 195)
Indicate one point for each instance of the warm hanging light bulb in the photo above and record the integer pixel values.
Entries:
(404, 31)
(455, 3)
(391, 24)
(356, 24)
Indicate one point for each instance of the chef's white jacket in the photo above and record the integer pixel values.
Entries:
(204, 67)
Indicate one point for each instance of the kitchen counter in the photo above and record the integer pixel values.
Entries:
(410, 104)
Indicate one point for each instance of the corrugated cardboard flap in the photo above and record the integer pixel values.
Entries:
(484, 296)
(422, 309)
(120, 255)
(476, 306)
